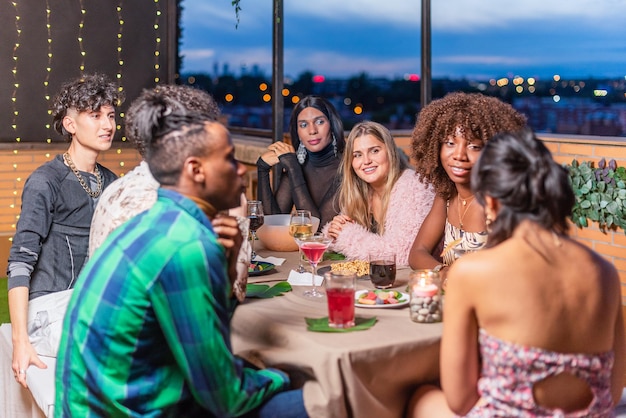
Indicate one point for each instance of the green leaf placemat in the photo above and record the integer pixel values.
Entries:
(321, 324)
(331, 255)
(264, 291)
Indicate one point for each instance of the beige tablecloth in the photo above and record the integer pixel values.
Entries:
(369, 373)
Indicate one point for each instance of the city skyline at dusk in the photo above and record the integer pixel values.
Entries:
(475, 40)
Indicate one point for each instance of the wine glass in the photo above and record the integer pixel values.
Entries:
(300, 226)
(255, 214)
(314, 246)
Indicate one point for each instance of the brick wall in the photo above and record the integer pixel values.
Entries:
(611, 245)
(16, 163)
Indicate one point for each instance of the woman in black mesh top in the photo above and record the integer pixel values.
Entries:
(307, 174)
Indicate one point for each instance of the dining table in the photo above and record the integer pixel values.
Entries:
(365, 373)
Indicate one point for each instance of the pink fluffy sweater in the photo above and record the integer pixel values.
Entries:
(409, 204)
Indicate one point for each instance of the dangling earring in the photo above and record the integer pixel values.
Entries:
(334, 145)
(488, 223)
(301, 154)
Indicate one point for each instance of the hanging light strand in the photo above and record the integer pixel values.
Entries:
(120, 32)
(16, 84)
(157, 42)
(120, 63)
(46, 81)
(81, 46)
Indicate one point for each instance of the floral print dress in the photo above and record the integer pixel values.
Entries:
(510, 370)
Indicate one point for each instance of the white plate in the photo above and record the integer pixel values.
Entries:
(404, 297)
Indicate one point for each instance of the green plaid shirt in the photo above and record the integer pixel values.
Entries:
(147, 332)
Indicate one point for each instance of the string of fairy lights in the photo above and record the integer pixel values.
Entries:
(120, 63)
(157, 41)
(46, 81)
(120, 32)
(81, 26)
(16, 84)
(81, 31)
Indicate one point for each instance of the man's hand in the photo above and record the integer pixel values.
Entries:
(229, 235)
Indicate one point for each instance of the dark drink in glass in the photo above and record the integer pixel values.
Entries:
(256, 222)
(383, 273)
(255, 215)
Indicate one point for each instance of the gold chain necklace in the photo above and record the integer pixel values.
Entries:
(70, 163)
(465, 205)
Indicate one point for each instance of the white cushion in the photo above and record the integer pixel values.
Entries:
(41, 384)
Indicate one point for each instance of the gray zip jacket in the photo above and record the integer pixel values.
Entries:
(52, 236)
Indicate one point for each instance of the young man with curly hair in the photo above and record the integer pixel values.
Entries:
(52, 235)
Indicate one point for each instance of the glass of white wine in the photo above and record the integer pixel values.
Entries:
(300, 226)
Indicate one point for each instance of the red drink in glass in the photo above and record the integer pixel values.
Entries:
(340, 307)
(314, 251)
(313, 247)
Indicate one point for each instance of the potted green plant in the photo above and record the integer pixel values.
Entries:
(600, 194)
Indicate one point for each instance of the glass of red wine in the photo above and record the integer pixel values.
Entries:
(255, 214)
(383, 270)
(314, 246)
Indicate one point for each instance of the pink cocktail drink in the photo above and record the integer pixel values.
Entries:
(340, 307)
(314, 251)
(313, 247)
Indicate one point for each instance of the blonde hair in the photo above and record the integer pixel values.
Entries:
(354, 193)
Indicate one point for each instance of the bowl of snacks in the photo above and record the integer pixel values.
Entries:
(359, 267)
(274, 233)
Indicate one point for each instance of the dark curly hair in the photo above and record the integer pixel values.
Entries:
(480, 117)
(192, 99)
(518, 170)
(87, 92)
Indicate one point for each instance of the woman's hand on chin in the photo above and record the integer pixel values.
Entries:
(270, 158)
(281, 148)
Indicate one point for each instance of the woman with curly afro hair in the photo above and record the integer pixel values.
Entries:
(447, 139)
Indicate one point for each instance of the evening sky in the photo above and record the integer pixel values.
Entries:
(475, 39)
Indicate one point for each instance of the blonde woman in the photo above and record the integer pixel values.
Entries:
(381, 201)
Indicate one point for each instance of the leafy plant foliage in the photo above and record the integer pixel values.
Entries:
(235, 3)
(600, 194)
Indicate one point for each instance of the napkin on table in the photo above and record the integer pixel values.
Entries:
(274, 260)
(303, 279)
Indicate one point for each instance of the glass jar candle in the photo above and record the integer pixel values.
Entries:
(426, 302)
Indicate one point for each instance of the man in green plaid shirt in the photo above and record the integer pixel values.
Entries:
(147, 332)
